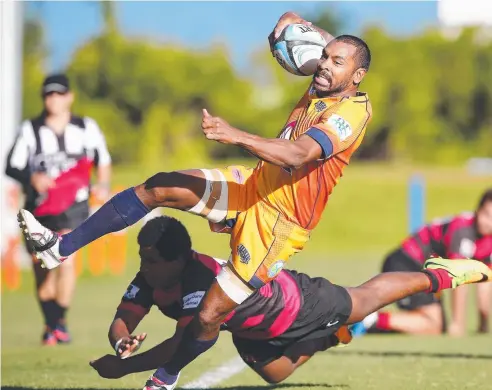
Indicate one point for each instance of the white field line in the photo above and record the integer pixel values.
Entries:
(214, 377)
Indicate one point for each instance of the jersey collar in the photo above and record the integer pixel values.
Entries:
(361, 97)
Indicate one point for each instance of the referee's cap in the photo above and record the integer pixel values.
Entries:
(55, 83)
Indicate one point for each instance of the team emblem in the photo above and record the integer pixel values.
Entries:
(238, 176)
(341, 126)
(131, 292)
(275, 269)
(320, 106)
(244, 255)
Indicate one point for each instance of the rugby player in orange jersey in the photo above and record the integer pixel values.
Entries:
(269, 210)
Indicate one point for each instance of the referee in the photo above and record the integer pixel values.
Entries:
(52, 159)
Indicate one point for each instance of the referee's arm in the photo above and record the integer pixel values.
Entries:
(17, 166)
(102, 159)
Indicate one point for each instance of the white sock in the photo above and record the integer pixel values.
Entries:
(370, 320)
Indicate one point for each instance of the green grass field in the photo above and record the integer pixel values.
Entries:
(372, 362)
(365, 218)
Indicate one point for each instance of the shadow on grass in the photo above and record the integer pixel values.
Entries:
(265, 387)
(416, 354)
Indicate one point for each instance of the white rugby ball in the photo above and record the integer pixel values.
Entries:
(298, 49)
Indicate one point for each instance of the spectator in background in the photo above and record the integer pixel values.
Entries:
(52, 159)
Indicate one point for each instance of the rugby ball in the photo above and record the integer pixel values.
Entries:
(298, 49)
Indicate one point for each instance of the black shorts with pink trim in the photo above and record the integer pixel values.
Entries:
(324, 309)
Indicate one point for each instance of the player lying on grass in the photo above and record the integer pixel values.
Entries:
(468, 235)
(270, 210)
(277, 329)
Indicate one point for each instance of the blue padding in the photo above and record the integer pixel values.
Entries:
(322, 139)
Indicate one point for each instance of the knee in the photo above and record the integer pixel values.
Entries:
(156, 188)
(162, 189)
(209, 319)
(67, 268)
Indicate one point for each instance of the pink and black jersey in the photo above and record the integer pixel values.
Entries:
(285, 308)
(452, 238)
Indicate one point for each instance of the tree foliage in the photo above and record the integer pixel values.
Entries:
(431, 96)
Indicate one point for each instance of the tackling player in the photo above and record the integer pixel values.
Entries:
(468, 235)
(277, 329)
(270, 210)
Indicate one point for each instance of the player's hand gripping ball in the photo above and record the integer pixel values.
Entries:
(298, 49)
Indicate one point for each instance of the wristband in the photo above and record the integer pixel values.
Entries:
(117, 345)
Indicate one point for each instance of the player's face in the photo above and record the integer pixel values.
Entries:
(158, 272)
(337, 70)
(484, 219)
(58, 103)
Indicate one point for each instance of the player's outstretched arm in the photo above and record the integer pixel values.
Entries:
(277, 151)
(282, 152)
(292, 18)
(120, 333)
(112, 367)
(154, 357)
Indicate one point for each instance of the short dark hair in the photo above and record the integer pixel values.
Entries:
(486, 197)
(167, 235)
(362, 53)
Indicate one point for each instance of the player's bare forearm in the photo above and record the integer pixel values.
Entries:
(117, 331)
(123, 325)
(153, 358)
(280, 152)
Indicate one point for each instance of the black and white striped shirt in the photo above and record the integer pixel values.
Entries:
(38, 148)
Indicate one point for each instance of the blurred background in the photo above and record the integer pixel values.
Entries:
(144, 71)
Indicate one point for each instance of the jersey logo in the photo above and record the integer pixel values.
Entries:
(467, 248)
(332, 323)
(244, 255)
(275, 269)
(341, 126)
(238, 176)
(320, 106)
(131, 292)
(191, 301)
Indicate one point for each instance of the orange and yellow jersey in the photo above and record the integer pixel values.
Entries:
(338, 124)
